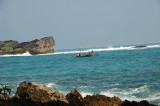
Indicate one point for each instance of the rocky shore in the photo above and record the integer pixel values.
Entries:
(42, 46)
(34, 94)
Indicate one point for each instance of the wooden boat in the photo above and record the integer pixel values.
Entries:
(85, 55)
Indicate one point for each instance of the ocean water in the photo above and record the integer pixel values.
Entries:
(132, 74)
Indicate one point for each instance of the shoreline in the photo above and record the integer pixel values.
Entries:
(34, 94)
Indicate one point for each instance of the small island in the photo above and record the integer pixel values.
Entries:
(42, 46)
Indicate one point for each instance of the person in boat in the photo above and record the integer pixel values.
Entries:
(78, 55)
(85, 55)
(91, 52)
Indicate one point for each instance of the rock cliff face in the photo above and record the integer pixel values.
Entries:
(38, 93)
(42, 46)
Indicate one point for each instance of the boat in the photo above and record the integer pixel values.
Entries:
(85, 55)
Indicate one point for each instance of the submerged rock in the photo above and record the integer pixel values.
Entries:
(42, 46)
(38, 92)
(139, 46)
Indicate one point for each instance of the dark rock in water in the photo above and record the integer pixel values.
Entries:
(139, 46)
(28, 102)
(75, 98)
(134, 103)
(38, 93)
(101, 100)
(42, 46)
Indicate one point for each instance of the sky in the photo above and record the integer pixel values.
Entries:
(92, 23)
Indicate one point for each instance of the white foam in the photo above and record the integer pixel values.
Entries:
(114, 48)
(140, 89)
(102, 49)
(122, 95)
(64, 92)
(116, 84)
(51, 85)
(88, 50)
(83, 87)
(107, 94)
(84, 94)
(24, 54)
(129, 94)
(153, 46)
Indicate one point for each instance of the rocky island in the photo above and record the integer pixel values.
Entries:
(42, 46)
(34, 94)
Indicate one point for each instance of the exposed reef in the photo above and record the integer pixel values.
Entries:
(140, 47)
(42, 46)
(34, 94)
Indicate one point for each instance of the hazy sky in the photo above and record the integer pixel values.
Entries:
(94, 23)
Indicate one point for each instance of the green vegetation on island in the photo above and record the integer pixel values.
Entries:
(18, 49)
(7, 49)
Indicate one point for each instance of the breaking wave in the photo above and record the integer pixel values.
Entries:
(87, 50)
(102, 49)
(24, 54)
(84, 94)
(126, 94)
(51, 84)
(130, 94)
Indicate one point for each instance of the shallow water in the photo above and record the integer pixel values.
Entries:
(128, 73)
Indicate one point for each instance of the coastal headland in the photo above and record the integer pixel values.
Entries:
(34, 94)
(42, 46)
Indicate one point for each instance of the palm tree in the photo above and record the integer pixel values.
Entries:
(5, 89)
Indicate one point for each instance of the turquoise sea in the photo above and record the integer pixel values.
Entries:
(132, 74)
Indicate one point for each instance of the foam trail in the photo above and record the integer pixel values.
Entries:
(89, 50)
(24, 54)
(67, 52)
(123, 96)
(112, 49)
(102, 49)
(153, 46)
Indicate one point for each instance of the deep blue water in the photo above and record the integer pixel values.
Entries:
(132, 74)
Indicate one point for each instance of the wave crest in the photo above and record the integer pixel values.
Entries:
(88, 50)
(24, 54)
